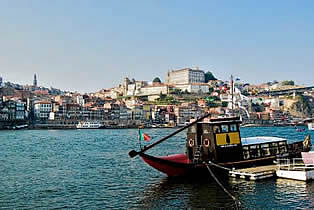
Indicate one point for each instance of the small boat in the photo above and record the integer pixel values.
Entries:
(311, 126)
(89, 125)
(218, 141)
(18, 127)
(300, 129)
(299, 168)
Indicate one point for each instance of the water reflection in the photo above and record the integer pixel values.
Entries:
(183, 192)
(293, 191)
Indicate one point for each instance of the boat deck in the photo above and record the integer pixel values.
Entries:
(255, 173)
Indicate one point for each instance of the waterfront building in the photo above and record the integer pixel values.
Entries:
(42, 110)
(185, 76)
(12, 110)
(19, 111)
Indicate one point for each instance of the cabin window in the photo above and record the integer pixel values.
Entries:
(274, 148)
(216, 129)
(282, 147)
(233, 128)
(246, 153)
(224, 128)
(265, 150)
(254, 151)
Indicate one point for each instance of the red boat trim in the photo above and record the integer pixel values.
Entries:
(174, 165)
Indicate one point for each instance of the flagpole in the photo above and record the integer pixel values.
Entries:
(133, 153)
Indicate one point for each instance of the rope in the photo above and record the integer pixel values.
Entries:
(219, 166)
(237, 202)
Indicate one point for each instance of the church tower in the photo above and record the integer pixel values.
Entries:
(35, 81)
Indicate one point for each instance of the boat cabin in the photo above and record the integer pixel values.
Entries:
(216, 140)
(263, 146)
(219, 140)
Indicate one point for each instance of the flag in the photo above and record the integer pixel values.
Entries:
(144, 136)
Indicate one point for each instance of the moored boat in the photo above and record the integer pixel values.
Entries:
(310, 126)
(89, 125)
(218, 141)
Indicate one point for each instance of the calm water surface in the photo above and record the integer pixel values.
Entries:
(90, 169)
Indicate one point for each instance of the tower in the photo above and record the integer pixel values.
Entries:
(35, 80)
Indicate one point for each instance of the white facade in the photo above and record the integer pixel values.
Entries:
(42, 110)
(153, 90)
(193, 88)
(80, 100)
(185, 76)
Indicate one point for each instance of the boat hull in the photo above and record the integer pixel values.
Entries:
(180, 165)
(175, 165)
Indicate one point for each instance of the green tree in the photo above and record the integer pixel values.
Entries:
(287, 82)
(157, 80)
(209, 76)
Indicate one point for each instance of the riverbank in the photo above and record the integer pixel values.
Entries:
(124, 125)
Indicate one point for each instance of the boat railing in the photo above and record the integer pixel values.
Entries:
(295, 164)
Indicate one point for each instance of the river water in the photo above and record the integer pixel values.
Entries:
(90, 169)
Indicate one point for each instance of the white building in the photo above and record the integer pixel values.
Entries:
(153, 90)
(42, 110)
(185, 76)
(80, 100)
(193, 87)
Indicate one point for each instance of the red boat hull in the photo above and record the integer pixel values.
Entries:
(180, 165)
(173, 165)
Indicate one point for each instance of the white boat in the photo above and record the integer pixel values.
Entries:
(311, 126)
(89, 125)
(298, 169)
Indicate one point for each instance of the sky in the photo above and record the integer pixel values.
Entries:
(85, 46)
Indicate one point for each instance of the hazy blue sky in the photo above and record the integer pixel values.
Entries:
(88, 45)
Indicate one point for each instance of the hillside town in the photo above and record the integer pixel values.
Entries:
(184, 95)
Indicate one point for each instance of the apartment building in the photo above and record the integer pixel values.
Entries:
(42, 110)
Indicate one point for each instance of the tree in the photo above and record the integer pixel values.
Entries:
(287, 82)
(157, 80)
(209, 76)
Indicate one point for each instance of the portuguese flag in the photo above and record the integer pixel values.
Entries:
(144, 136)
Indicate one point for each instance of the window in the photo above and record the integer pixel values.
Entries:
(224, 128)
(233, 128)
(216, 129)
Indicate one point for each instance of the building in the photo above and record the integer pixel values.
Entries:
(80, 100)
(185, 113)
(185, 76)
(42, 110)
(1, 82)
(35, 81)
(19, 111)
(193, 87)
